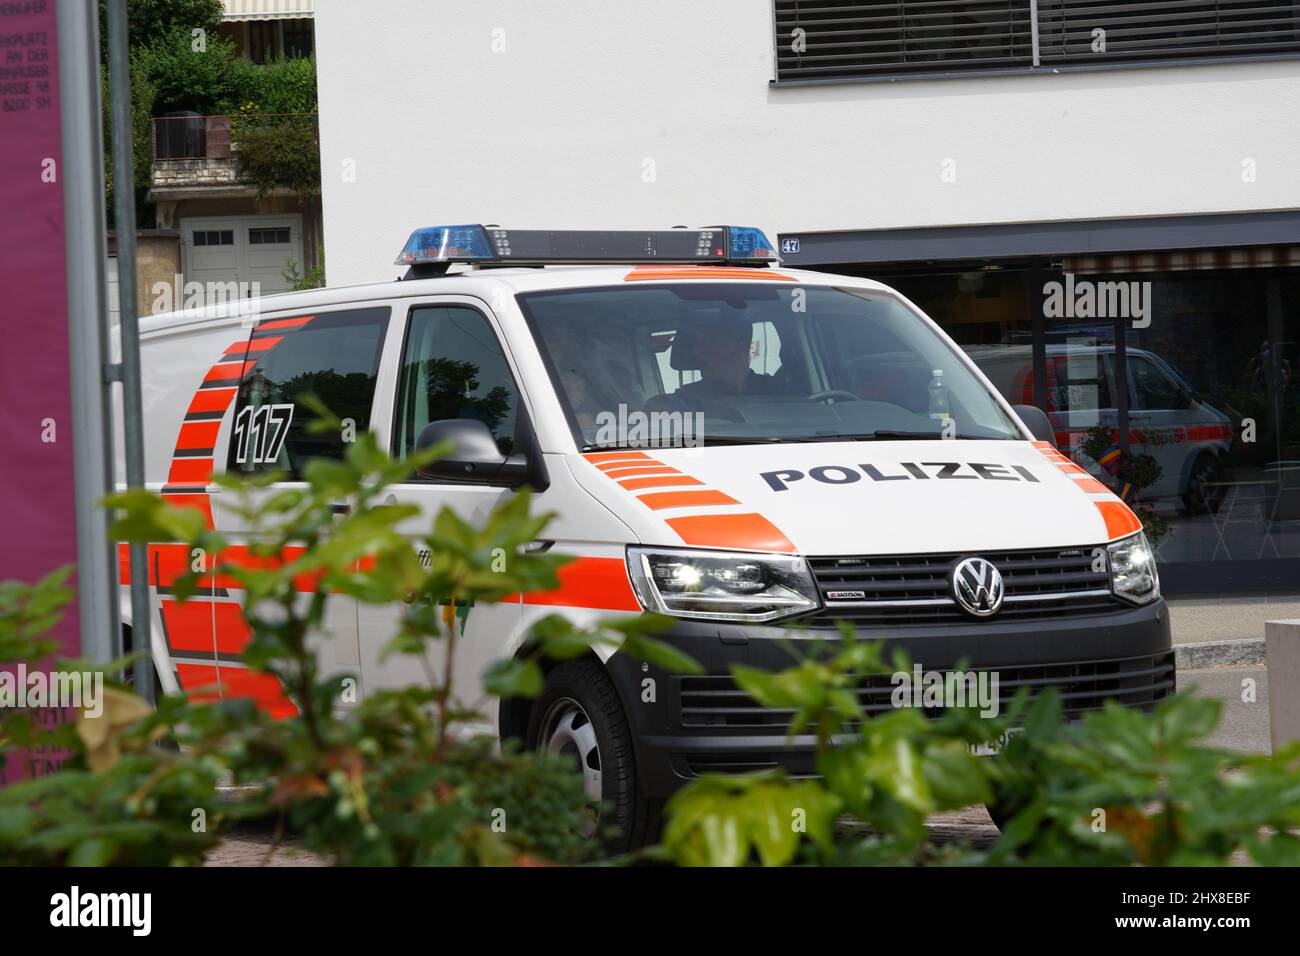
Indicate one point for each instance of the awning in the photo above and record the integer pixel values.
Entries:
(266, 9)
(1082, 239)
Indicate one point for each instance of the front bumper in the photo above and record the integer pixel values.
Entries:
(693, 725)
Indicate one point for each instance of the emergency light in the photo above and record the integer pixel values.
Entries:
(436, 247)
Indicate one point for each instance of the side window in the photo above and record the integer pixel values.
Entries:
(335, 357)
(1155, 390)
(453, 367)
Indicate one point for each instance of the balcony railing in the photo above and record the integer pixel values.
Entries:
(193, 150)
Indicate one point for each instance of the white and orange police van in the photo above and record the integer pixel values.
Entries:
(755, 452)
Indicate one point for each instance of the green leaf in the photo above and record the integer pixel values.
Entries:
(796, 687)
(513, 678)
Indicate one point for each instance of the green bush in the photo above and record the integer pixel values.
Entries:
(187, 79)
(288, 86)
(1122, 787)
(389, 781)
(279, 151)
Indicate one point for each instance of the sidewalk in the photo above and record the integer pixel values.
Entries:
(1225, 632)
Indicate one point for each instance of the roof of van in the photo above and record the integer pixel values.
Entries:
(510, 280)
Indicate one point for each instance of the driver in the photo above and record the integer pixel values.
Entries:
(721, 353)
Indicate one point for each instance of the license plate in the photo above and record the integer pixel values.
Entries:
(991, 747)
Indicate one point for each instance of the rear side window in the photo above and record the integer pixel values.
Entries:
(334, 357)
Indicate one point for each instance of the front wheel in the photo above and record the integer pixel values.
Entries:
(579, 715)
(1205, 490)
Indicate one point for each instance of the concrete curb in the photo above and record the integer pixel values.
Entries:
(1243, 653)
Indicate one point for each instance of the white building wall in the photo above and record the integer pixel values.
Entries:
(424, 122)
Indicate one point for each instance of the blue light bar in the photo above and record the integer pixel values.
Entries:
(746, 242)
(446, 244)
(436, 247)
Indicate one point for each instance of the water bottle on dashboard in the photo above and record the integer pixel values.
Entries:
(938, 396)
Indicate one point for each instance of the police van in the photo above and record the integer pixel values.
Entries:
(756, 452)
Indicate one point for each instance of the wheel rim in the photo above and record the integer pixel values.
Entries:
(566, 729)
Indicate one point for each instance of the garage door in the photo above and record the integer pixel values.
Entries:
(245, 249)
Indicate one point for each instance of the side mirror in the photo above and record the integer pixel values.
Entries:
(1036, 420)
(474, 455)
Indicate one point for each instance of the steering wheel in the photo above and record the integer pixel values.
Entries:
(833, 393)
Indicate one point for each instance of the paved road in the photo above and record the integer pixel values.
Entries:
(1244, 727)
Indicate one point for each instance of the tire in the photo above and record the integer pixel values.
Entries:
(128, 645)
(1196, 500)
(579, 713)
(1001, 811)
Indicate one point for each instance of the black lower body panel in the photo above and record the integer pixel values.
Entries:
(688, 725)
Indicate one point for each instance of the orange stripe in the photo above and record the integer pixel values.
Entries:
(1043, 444)
(642, 470)
(124, 563)
(195, 677)
(1120, 519)
(685, 499)
(705, 272)
(228, 370)
(750, 532)
(172, 561)
(241, 556)
(1071, 469)
(596, 456)
(189, 624)
(590, 582)
(1092, 485)
(200, 501)
(263, 689)
(211, 400)
(608, 466)
(285, 323)
(263, 345)
(232, 633)
(198, 435)
(661, 481)
(190, 471)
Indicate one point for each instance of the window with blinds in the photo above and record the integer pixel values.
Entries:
(841, 39)
(1084, 31)
(821, 39)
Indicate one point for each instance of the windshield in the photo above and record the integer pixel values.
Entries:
(713, 363)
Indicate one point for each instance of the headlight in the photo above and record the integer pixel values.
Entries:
(1133, 569)
(722, 585)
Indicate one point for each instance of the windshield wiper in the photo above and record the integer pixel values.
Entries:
(886, 434)
(695, 443)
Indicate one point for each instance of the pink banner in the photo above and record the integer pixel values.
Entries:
(36, 454)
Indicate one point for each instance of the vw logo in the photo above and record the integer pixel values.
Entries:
(977, 587)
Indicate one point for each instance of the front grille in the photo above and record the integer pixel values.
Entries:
(913, 589)
(714, 701)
